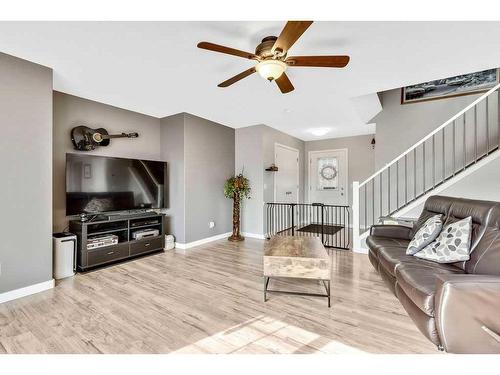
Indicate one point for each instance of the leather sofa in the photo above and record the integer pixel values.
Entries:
(456, 306)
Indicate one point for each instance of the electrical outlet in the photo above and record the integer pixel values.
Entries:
(211, 224)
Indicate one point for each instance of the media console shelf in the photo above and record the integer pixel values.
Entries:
(123, 227)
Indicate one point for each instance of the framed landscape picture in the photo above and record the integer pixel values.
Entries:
(465, 84)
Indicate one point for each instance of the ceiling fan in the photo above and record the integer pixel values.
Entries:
(272, 59)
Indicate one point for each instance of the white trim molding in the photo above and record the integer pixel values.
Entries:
(189, 245)
(253, 235)
(26, 291)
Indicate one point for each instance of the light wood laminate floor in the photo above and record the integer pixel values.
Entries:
(209, 299)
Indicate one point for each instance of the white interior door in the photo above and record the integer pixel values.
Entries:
(328, 180)
(286, 179)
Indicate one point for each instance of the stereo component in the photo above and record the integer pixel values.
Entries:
(102, 241)
(146, 233)
(144, 222)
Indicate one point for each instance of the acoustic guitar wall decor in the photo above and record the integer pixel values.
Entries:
(87, 139)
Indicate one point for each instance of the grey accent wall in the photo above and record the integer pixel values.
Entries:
(361, 156)
(209, 162)
(401, 126)
(201, 155)
(249, 159)
(26, 170)
(71, 111)
(255, 152)
(172, 151)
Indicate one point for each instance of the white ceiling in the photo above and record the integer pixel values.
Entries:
(156, 69)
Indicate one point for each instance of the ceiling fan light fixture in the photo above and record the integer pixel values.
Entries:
(271, 69)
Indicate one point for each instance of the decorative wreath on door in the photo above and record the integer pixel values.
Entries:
(328, 172)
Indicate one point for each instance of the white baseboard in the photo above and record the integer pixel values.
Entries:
(26, 291)
(253, 235)
(189, 245)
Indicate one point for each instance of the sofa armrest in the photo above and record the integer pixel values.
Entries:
(468, 313)
(392, 231)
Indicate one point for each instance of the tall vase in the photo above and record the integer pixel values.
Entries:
(236, 236)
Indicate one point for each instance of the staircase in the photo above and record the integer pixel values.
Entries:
(460, 146)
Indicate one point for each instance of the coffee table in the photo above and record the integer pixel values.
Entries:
(298, 258)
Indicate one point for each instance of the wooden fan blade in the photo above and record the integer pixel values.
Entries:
(318, 61)
(289, 35)
(227, 50)
(237, 77)
(284, 83)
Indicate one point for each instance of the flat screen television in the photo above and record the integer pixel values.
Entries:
(97, 184)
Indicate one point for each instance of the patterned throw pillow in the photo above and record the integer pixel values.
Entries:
(425, 235)
(452, 245)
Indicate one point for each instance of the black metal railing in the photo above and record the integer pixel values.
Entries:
(331, 223)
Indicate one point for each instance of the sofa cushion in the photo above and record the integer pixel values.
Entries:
(452, 244)
(435, 205)
(419, 283)
(391, 257)
(425, 235)
(480, 212)
(375, 242)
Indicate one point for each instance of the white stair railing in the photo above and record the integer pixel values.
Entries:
(459, 143)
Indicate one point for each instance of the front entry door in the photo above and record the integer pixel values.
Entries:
(328, 177)
(286, 179)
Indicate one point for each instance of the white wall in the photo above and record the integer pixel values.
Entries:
(26, 173)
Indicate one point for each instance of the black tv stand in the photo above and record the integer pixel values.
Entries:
(123, 227)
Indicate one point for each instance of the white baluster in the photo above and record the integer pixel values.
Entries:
(356, 242)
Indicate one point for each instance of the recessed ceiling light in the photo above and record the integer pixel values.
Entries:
(318, 132)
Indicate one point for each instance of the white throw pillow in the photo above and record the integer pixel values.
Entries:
(427, 233)
(452, 244)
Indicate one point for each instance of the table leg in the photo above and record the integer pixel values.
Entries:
(327, 287)
(266, 282)
(329, 305)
